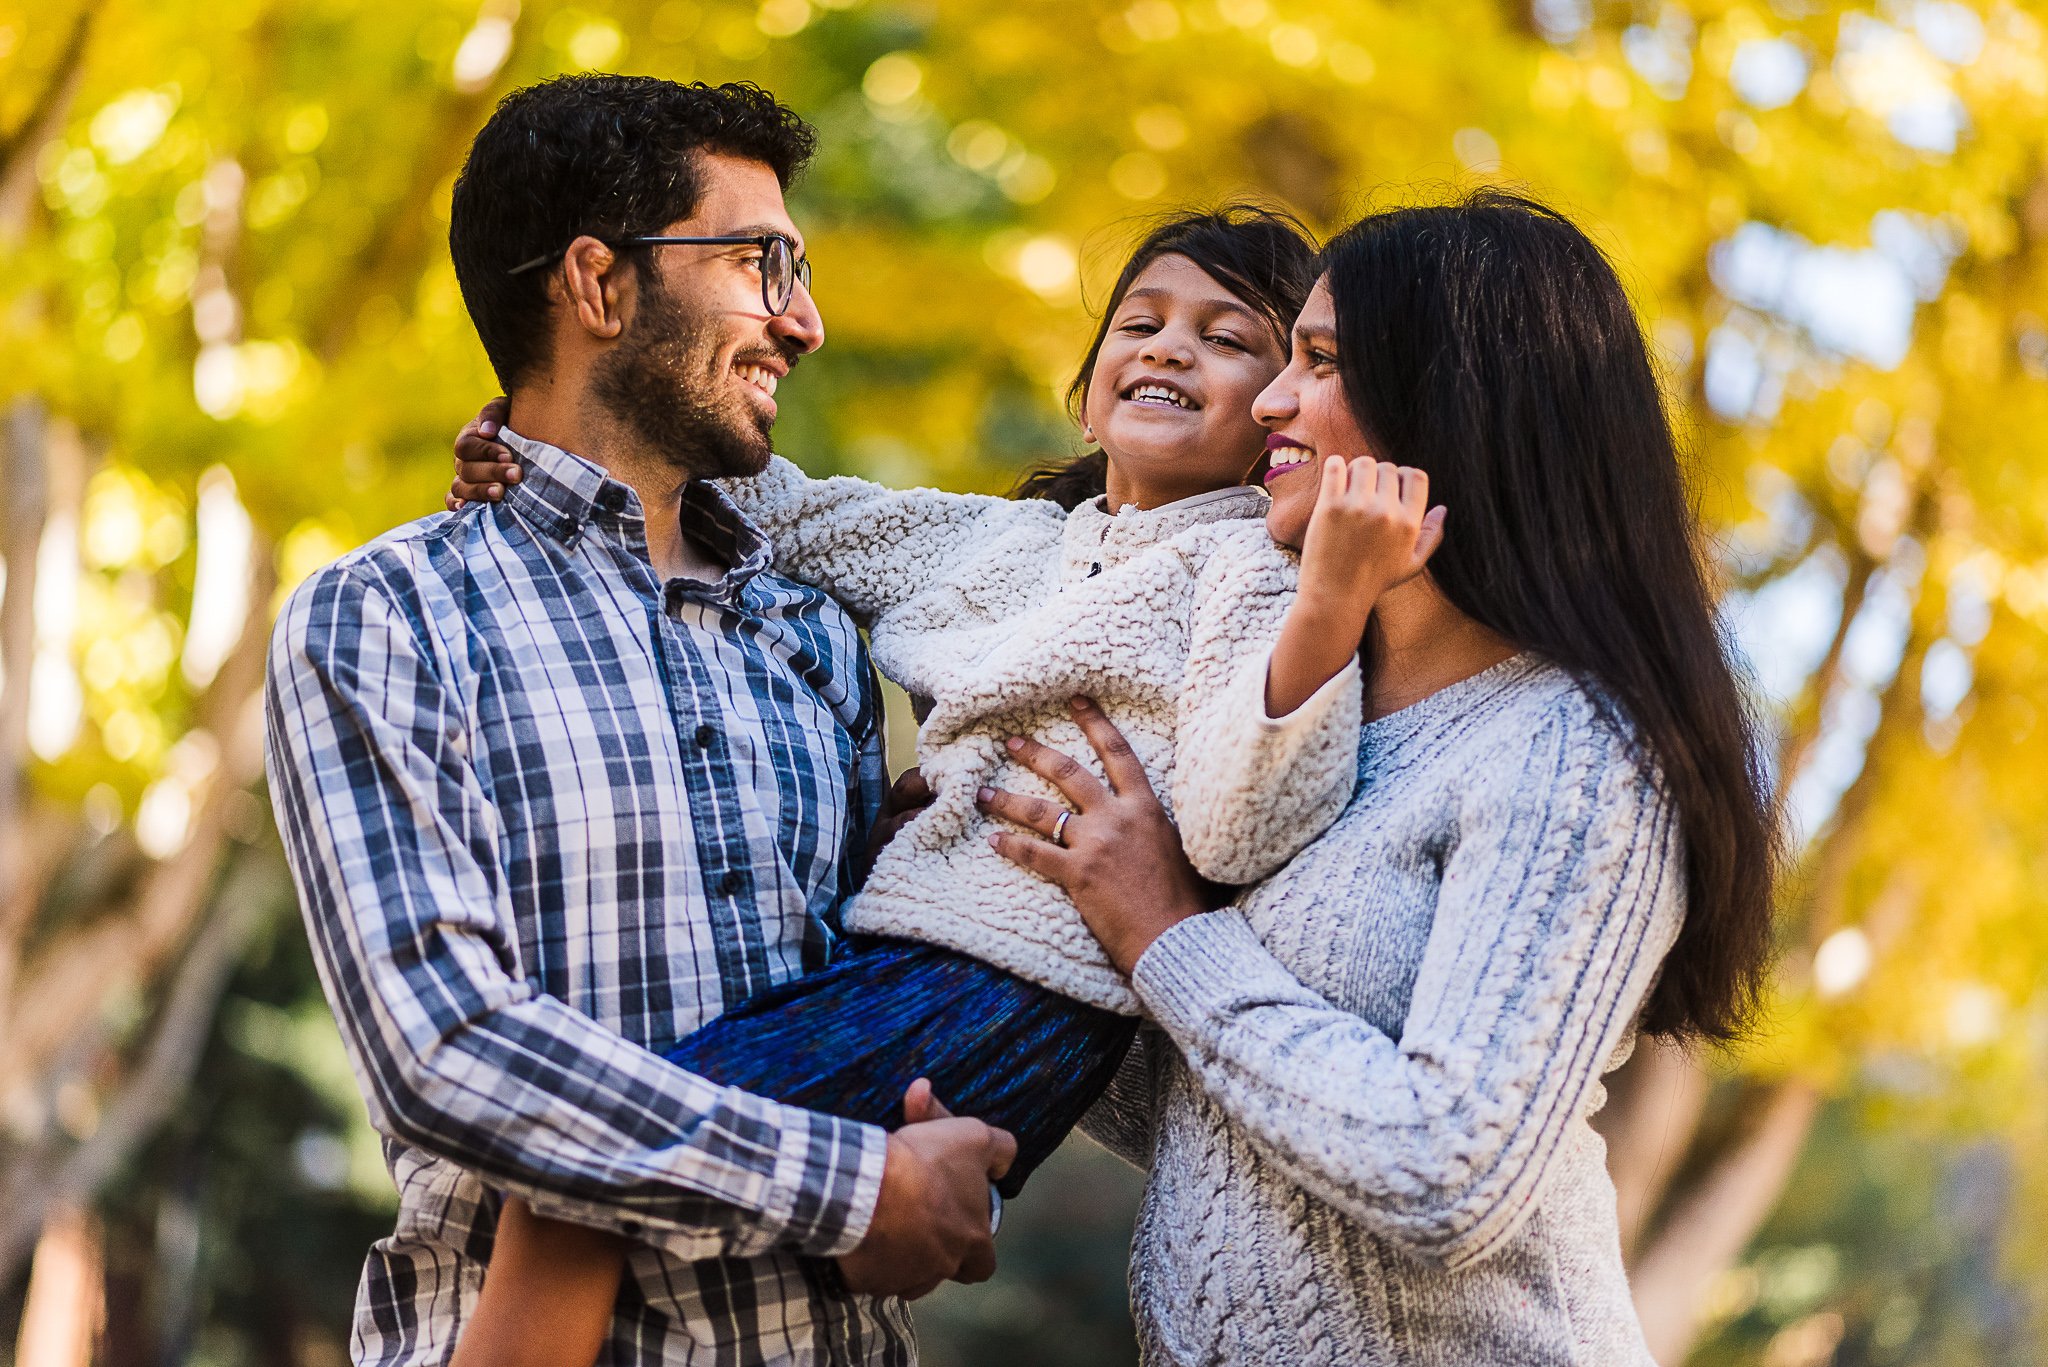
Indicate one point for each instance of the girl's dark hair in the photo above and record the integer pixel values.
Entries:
(1490, 344)
(1263, 256)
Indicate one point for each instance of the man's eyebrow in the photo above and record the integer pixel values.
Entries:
(766, 230)
(1222, 305)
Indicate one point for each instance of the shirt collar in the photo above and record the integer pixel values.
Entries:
(563, 494)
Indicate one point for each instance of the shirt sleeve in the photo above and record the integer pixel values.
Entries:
(1251, 791)
(1558, 902)
(392, 842)
(875, 548)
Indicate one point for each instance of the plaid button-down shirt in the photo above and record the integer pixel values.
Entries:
(547, 814)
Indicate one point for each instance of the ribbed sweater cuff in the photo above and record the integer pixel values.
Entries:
(1203, 970)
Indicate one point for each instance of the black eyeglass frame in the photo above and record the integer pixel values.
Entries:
(799, 267)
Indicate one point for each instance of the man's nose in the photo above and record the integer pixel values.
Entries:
(800, 326)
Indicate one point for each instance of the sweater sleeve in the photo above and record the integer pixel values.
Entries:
(872, 547)
(1559, 899)
(1251, 791)
(1124, 1119)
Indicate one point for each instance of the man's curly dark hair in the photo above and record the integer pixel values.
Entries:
(611, 156)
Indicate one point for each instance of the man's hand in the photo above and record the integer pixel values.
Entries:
(906, 797)
(931, 1221)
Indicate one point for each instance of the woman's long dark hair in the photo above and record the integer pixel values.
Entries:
(1489, 343)
(1263, 256)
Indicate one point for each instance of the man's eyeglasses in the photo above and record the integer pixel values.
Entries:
(781, 270)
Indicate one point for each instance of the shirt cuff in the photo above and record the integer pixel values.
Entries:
(1201, 972)
(828, 1176)
(1315, 707)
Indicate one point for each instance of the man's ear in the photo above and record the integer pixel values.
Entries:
(594, 283)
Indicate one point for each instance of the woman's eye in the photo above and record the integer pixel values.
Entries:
(1140, 328)
(1320, 358)
(1226, 341)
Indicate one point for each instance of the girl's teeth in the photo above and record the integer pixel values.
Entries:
(1155, 393)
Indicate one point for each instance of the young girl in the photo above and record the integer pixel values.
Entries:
(1167, 602)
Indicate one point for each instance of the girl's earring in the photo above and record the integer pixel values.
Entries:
(1087, 434)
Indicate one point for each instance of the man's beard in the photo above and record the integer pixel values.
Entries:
(664, 382)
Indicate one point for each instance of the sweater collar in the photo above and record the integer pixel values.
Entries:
(1096, 539)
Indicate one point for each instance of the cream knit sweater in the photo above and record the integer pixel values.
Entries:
(1364, 1107)
(998, 612)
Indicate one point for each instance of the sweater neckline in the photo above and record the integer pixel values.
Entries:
(1095, 540)
(1399, 728)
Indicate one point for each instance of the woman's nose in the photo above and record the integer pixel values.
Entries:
(1276, 402)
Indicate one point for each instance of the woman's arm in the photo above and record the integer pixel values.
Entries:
(1558, 903)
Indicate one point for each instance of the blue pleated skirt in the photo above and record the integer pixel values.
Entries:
(850, 1038)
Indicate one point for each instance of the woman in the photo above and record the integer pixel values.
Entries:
(1364, 1110)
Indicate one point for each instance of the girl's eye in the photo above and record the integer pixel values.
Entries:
(1139, 327)
(1226, 341)
(1320, 358)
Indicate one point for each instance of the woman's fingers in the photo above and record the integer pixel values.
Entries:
(1032, 813)
(1042, 857)
(1063, 772)
(1414, 491)
(1431, 536)
(1119, 760)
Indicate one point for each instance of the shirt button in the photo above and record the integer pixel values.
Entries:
(632, 1229)
(706, 734)
(731, 884)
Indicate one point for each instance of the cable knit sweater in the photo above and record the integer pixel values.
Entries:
(1366, 1117)
(1000, 611)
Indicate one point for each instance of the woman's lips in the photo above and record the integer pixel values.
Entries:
(1284, 457)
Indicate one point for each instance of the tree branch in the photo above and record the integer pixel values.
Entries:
(52, 104)
(158, 1078)
(78, 971)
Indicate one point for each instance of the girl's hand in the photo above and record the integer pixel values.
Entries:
(1368, 533)
(1372, 528)
(484, 465)
(1119, 856)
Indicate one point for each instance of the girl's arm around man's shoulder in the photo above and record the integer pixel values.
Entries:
(875, 548)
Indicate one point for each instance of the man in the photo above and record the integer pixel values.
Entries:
(563, 777)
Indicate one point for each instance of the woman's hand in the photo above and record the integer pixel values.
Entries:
(484, 465)
(1119, 856)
